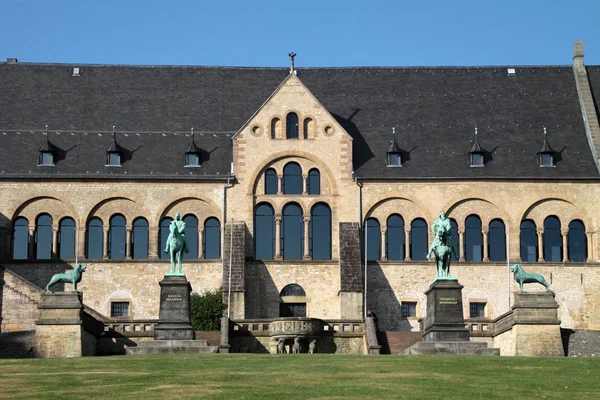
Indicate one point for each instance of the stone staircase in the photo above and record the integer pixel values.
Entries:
(172, 347)
(395, 342)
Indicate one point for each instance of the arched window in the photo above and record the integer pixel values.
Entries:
(271, 181)
(320, 232)
(191, 236)
(497, 240)
(314, 182)
(212, 238)
(94, 239)
(293, 301)
(552, 240)
(291, 126)
(418, 240)
(576, 242)
(264, 232)
(116, 237)
(292, 232)
(163, 235)
(373, 239)
(20, 242)
(309, 128)
(473, 239)
(292, 179)
(395, 238)
(43, 237)
(66, 239)
(139, 239)
(455, 239)
(275, 128)
(528, 240)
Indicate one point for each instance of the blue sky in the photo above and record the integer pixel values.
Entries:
(322, 33)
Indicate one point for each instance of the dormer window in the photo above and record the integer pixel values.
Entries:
(46, 152)
(192, 154)
(476, 158)
(394, 158)
(546, 154)
(113, 155)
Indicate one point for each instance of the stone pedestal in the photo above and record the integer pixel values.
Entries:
(59, 328)
(445, 321)
(174, 322)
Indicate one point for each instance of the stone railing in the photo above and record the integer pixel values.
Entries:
(131, 328)
(479, 327)
(373, 345)
(504, 323)
(296, 326)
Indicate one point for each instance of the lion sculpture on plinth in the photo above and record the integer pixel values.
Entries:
(523, 277)
(73, 277)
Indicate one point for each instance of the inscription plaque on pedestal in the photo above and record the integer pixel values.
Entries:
(445, 320)
(174, 322)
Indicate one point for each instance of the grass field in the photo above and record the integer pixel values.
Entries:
(239, 376)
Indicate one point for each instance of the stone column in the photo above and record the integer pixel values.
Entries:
(31, 247)
(383, 231)
(304, 184)
(590, 247)
(81, 241)
(279, 180)
(461, 245)
(564, 233)
(406, 244)
(306, 238)
(154, 245)
(540, 232)
(128, 249)
(105, 249)
(55, 242)
(200, 242)
(485, 250)
(278, 237)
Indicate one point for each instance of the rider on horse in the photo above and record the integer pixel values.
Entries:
(443, 224)
(177, 227)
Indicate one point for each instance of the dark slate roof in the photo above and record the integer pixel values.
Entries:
(594, 79)
(434, 111)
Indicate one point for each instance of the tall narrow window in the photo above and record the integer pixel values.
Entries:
(43, 237)
(552, 240)
(497, 240)
(264, 232)
(292, 232)
(191, 236)
(139, 239)
(116, 237)
(528, 241)
(576, 242)
(395, 238)
(314, 181)
(163, 235)
(66, 238)
(291, 126)
(320, 232)
(292, 179)
(418, 240)
(94, 239)
(373, 239)
(271, 181)
(212, 239)
(473, 238)
(455, 239)
(20, 242)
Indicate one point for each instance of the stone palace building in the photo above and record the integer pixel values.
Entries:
(288, 179)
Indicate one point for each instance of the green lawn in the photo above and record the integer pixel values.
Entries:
(238, 376)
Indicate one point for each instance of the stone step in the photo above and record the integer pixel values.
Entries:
(455, 348)
(172, 350)
(173, 343)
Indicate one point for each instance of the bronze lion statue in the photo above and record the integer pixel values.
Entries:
(73, 277)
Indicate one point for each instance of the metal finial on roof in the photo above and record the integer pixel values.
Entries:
(193, 147)
(545, 133)
(192, 131)
(46, 129)
(475, 131)
(113, 132)
(292, 56)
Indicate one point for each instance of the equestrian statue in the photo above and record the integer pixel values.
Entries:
(442, 247)
(176, 244)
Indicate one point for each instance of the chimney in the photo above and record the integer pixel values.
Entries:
(578, 53)
(11, 60)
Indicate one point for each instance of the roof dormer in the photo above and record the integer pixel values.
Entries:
(394, 155)
(476, 154)
(46, 156)
(546, 154)
(113, 153)
(192, 154)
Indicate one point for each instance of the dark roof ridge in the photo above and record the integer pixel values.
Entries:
(65, 131)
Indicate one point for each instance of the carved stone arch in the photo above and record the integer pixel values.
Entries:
(294, 201)
(273, 204)
(56, 208)
(202, 220)
(189, 205)
(170, 207)
(483, 208)
(324, 169)
(564, 210)
(407, 208)
(118, 205)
